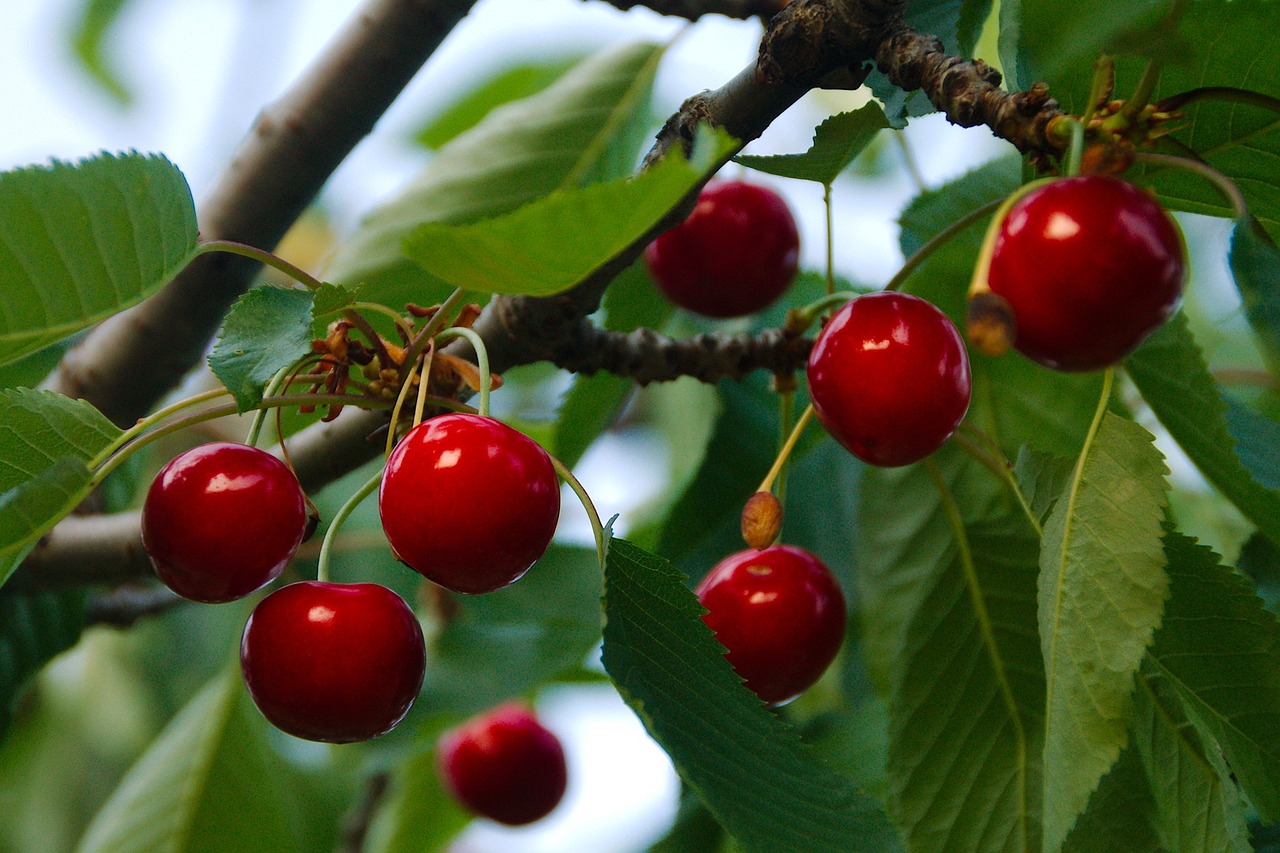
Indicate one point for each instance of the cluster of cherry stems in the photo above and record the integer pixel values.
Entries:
(1075, 274)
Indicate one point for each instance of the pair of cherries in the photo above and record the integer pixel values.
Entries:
(465, 500)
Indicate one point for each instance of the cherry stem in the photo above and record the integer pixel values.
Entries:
(109, 460)
(262, 256)
(384, 310)
(931, 245)
(789, 445)
(273, 387)
(800, 319)
(982, 269)
(331, 535)
(428, 331)
(424, 379)
(1229, 94)
(597, 529)
(1104, 78)
(787, 406)
(1076, 150)
(1142, 92)
(831, 274)
(482, 361)
(395, 410)
(1225, 186)
(148, 422)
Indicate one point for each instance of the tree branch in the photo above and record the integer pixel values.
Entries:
(130, 361)
(695, 9)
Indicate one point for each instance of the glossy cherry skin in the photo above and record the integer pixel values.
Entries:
(781, 615)
(1090, 266)
(889, 378)
(734, 255)
(469, 502)
(222, 520)
(333, 662)
(504, 765)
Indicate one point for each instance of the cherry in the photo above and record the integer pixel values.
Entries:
(504, 765)
(333, 662)
(889, 378)
(735, 254)
(469, 502)
(222, 520)
(1090, 266)
(780, 614)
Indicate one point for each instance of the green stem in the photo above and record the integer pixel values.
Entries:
(260, 415)
(437, 321)
(1142, 92)
(482, 361)
(787, 402)
(330, 535)
(1104, 77)
(151, 420)
(1076, 151)
(978, 284)
(913, 169)
(597, 529)
(767, 483)
(831, 274)
(261, 256)
(802, 318)
(1224, 185)
(931, 245)
(1000, 465)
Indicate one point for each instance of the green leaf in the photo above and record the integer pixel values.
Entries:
(1121, 812)
(1043, 478)
(417, 814)
(584, 127)
(45, 441)
(331, 300)
(1170, 372)
(1219, 647)
(967, 701)
(552, 243)
(751, 769)
(210, 781)
(1101, 593)
(267, 329)
(93, 32)
(836, 142)
(1197, 807)
(81, 242)
(1255, 264)
(508, 642)
(34, 627)
(511, 84)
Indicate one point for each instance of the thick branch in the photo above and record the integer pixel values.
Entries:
(695, 9)
(126, 364)
(646, 356)
(968, 92)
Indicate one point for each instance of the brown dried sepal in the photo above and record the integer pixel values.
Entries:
(990, 325)
(761, 520)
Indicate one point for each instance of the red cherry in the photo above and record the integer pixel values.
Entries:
(781, 615)
(469, 502)
(504, 765)
(333, 662)
(222, 520)
(889, 378)
(734, 255)
(1090, 266)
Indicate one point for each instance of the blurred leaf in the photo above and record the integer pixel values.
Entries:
(584, 127)
(417, 814)
(508, 642)
(45, 441)
(267, 329)
(552, 243)
(1220, 649)
(92, 33)
(512, 84)
(967, 702)
(958, 23)
(1170, 372)
(836, 142)
(726, 745)
(80, 242)
(694, 830)
(1101, 593)
(1198, 808)
(34, 627)
(30, 370)
(1255, 264)
(210, 781)
(1121, 812)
